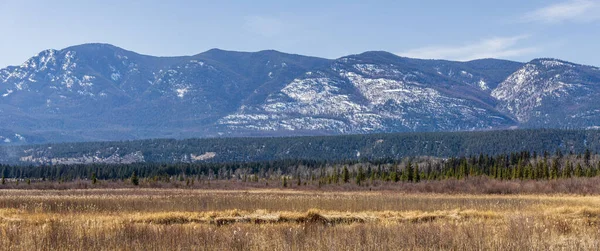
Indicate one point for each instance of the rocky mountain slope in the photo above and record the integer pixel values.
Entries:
(101, 92)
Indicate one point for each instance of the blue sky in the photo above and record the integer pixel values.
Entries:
(457, 30)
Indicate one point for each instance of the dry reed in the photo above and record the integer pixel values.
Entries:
(182, 219)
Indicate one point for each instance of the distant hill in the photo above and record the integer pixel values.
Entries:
(328, 148)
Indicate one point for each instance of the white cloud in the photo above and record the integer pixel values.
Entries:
(264, 26)
(498, 47)
(573, 10)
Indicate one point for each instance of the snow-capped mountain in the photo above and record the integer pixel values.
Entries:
(102, 92)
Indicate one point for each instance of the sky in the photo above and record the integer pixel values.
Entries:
(432, 29)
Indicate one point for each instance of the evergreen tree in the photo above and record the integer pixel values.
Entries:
(360, 176)
(567, 170)
(134, 179)
(519, 171)
(345, 175)
(494, 172)
(588, 156)
(578, 170)
(394, 176)
(379, 173)
(462, 170)
(94, 179)
(554, 171)
(417, 174)
(408, 173)
(546, 170)
(590, 171)
(336, 175)
(528, 172)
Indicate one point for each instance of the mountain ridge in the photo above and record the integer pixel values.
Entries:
(103, 92)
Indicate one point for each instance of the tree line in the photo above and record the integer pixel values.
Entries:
(514, 166)
(323, 148)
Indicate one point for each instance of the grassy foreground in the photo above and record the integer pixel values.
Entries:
(259, 219)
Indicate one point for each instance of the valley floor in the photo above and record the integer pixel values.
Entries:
(273, 219)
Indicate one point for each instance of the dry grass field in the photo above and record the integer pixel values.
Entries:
(260, 219)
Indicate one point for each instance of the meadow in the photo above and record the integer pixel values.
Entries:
(289, 219)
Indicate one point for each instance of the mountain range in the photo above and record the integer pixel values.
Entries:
(99, 92)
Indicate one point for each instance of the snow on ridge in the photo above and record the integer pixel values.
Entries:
(46, 59)
(312, 96)
(309, 89)
(68, 64)
(18, 136)
(316, 99)
(518, 80)
(115, 76)
(41, 60)
(464, 73)
(197, 62)
(483, 85)
(264, 122)
(181, 92)
(368, 68)
(8, 92)
(380, 90)
(375, 69)
(549, 63)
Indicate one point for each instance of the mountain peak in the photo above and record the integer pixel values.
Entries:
(377, 54)
(98, 48)
(93, 45)
(551, 62)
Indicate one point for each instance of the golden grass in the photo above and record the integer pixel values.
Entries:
(171, 219)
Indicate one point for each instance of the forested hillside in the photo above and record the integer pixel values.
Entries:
(328, 148)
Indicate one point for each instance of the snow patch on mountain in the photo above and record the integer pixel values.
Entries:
(381, 90)
(181, 92)
(483, 85)
(15, 138)
(555, 63)
(8, 92)
(18, 136)
(271, 122)
(313, 98)
(115, 76)
(369, 69)
(68, 64)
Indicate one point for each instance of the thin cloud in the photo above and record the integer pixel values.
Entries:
(498, 47)
(574, 10)
(264, 26)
